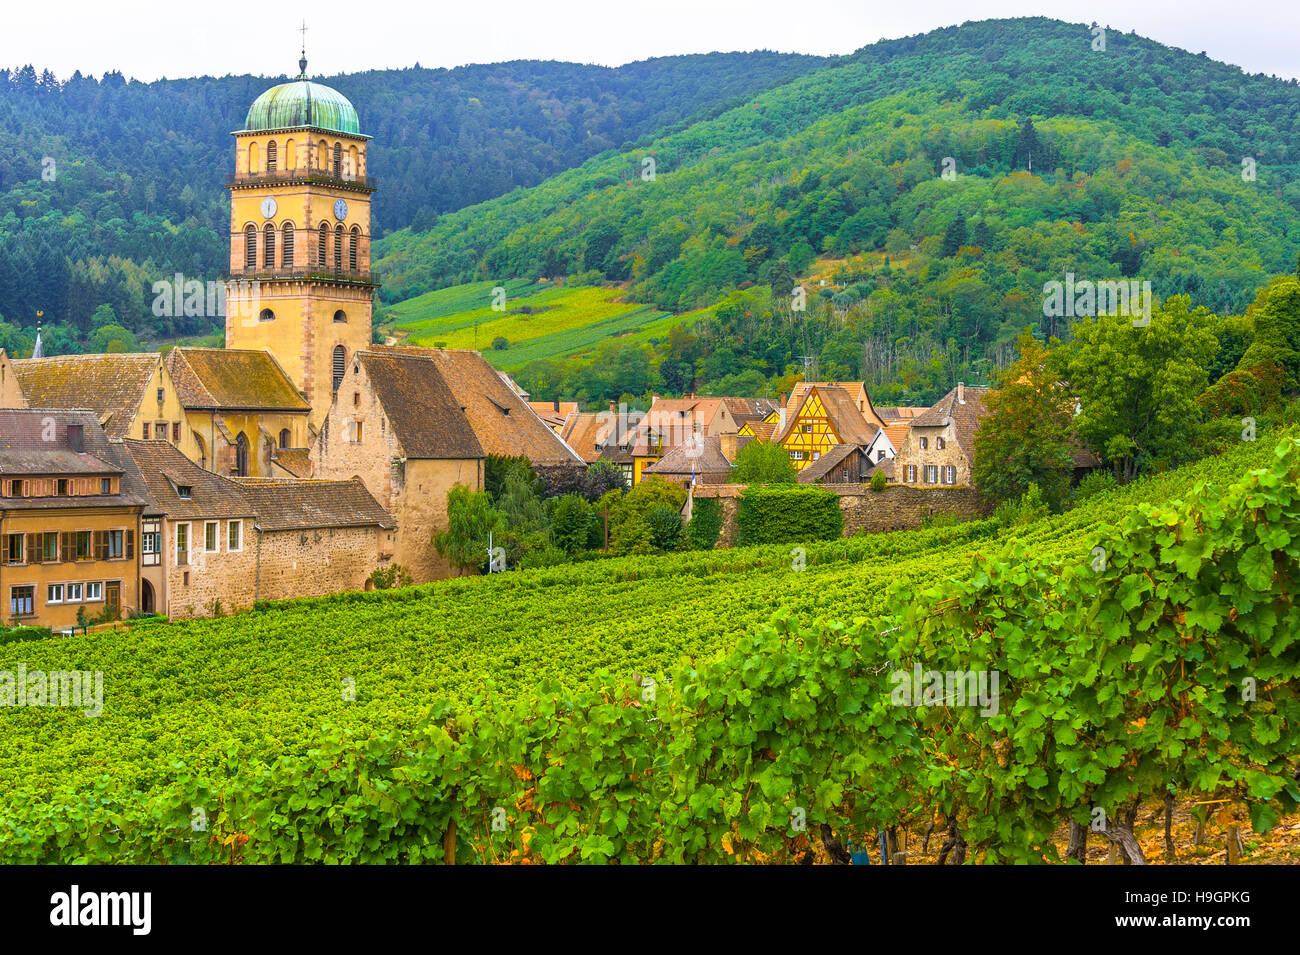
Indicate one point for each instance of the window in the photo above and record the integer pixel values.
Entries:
(797, 455)
(21, 600)
(284, 437)
(13, 548)
(62, 487)
(74, 593)
(49, 547)
(356, 399)
(160, 430)
(268, 252)
(353, 241)
(94, 590)
(234, 536)
(150, 544)
(931, 474)
(210, 540)
(15, 488)
(340, 316)
(176, 431)
(880, 456)
(290, 154)
(909, 474)
(925, 443)
(162, 396)
(951, 472)
(271, 156)
(357, 428)
(939, 443)
(250, 247)
(144, 430)
(806, 428)
(54, 594)
(182, 544)
(340, 364)
(322, 248)
(252, 157)
(105, 485)
(184, 491)
(241, 455)
(266, 315)
(288, 245)
(338, 249)
(116, 542)
(82, 549)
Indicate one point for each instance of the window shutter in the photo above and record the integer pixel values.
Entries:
(4, 549)
(130, 543)
(33, 548)
(68, 546)
(101, 545)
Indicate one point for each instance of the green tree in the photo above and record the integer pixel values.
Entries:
(471, 520)
(954, 237)
(571, 523)
(1137, 386)
(763, 462)
(1026, 437)
(665, 523)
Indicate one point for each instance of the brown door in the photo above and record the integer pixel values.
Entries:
(113, 598)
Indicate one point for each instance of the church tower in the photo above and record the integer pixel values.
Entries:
(300, 285)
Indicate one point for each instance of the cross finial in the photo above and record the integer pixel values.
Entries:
(302, 63)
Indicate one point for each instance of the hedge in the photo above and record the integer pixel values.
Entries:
(705, 524)
(784, 514)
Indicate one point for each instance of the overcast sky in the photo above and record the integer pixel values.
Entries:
(148, 40)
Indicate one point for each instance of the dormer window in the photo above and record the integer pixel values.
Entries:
(184, 491)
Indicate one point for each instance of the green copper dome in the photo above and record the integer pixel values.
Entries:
(302, 103)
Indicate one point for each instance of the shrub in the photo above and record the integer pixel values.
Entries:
(1031, 507)
(389, 577)
(785, 514)
(17, 634)
(1093, 483)
(705, 524)
(571, 523)
(763, 463)
(665, 523)
(878, 481)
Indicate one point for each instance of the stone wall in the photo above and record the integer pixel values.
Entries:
(225, 576)
(312, 563)
(897, 507)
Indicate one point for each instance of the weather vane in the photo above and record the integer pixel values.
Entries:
(302, 63)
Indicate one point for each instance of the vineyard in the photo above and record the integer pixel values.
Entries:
(536, 321)
(1146, 642)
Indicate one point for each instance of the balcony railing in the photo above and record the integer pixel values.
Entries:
(324, 175)
(301, 274)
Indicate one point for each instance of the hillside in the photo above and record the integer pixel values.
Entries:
(138, 168)
(1136, 173)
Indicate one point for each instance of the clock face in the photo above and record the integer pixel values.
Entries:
(268, 207)
(340, 210)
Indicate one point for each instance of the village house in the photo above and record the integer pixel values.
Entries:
(940, 445)
(397, 426)
(668, 423)
(554, 413)
(244, 411)
(824, 416)
(132, 395)
(69, 521)
(707, 459)
(842, 464)
(856, 391)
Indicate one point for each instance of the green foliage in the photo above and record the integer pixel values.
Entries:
(1028, 509)
(394, 575)
(20, 633)
(878, 481)
(705, 525)
(1093, 483)
(571, 523)
(763, 462)
(783, 514)
(470, 519)
(1026, 439)
(665, 523)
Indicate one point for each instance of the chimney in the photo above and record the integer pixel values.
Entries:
(613, 406)
(728, 442)
(961, 392)
(556, 404)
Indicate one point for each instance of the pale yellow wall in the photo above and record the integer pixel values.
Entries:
(11, 392)
(151, 411)
(205, 426)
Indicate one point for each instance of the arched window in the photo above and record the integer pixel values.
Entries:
(203, 454)
(338, 160)
(354, 241)
(290, 155)
(322, 250)
(270, 156)
(268, 247)
(284, 437)
(287, 254)
(241, 456)
(338, 248)
(322, 156)
(354, 170)
(340, 316)
(266, 315)
(250, 247)
(340, 364)
(252, 158)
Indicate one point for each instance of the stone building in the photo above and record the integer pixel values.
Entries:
(940, 445)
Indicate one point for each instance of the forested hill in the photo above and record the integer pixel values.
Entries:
(1137, 171)
(137, 189)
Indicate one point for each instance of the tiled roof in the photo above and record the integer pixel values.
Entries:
(896, 432)
(901, 412)
(887, 466)
(842, 412)
(289, 504)
(829, 460)
(236, 379)
(554, 413)
(710, 460)
(424, 414)
(110, 385)
(965, 416)
(24, 449)
(750, 407)
(163, 469)
(764, 430)
(502, 421)
(296, 461)
(581, 432)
